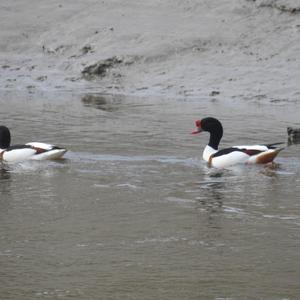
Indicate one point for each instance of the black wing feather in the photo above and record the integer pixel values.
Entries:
(16, 147)
(273, 146)
(225, 151)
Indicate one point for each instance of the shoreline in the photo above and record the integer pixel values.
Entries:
(246, 49)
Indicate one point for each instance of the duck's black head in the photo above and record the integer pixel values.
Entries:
(214, 127)
(4, 137)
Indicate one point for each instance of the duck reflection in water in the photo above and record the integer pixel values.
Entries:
(212, 192)
(5, 180)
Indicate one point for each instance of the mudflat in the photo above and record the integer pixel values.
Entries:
(241, 49)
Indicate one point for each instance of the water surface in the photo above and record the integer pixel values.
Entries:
(134, 213)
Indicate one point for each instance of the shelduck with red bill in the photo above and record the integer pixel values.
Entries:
(247, 154)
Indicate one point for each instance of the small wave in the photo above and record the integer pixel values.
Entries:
(82, 245)
(160, 240)
(234, 210)
(57, 293)
(197, 243)
(281, 217)
(97, 185)
(179, 200)
(127, 185)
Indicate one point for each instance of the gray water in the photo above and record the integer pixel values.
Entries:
(133, 212)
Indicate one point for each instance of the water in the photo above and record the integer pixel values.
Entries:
(134, 213)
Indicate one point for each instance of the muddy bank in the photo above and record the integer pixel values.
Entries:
(238, 49)
(292, 7)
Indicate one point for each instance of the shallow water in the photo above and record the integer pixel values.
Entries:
(134, 213)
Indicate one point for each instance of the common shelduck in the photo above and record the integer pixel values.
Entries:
(255, 154)
(35, 150)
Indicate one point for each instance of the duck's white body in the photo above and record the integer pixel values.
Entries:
(29, 151)
(239, 157)
(247, 154)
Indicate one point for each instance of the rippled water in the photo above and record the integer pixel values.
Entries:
(134, 213)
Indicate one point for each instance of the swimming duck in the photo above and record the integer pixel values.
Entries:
(35, 150)
(293, 135)
(294, 132)
(255, 154)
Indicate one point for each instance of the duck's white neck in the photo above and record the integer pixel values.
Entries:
(208, 151)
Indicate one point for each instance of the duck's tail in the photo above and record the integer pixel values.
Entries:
(268, 156)
(273, 146)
